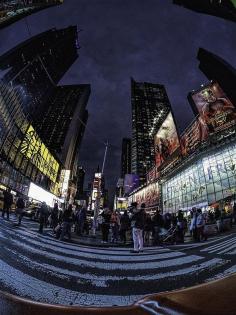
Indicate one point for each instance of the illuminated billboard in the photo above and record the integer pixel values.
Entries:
(34, 149)
(166, 140)
(214, 107)
(131, 183)
(193, 136)
(148, 195)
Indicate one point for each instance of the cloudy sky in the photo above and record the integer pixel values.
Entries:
(153, 41)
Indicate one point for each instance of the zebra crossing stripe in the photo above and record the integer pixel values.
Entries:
(92, 277)
(223, 274)
(25, 285)
(217, 247)
(99, 257)
(229, 248)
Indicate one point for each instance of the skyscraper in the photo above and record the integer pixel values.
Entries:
(43, 124)
(125, 157)
(12, 11)
(80, 182)
(216, 68)
(150, 106)
(61, 125)
(38, 64)
(223, 8)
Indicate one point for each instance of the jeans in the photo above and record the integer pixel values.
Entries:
(138, 239)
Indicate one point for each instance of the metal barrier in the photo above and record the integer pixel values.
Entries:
(213, 298)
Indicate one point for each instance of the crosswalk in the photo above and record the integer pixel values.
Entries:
(226, 247)
(47, 270)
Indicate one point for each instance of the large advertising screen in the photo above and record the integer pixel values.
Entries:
(166, 140)
(34, 149)
(193, 136)
(131, 183)
(148, 195)
(214, 107)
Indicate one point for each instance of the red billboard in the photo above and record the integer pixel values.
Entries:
(166, 140)
(193, 136)
(214, 107)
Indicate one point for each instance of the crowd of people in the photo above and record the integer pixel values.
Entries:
(137, 224)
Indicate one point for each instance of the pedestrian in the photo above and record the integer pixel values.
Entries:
(106, 215)
(54, 217)
(193, 224)
(148, 228)
(180, 227)
(20, 205)
(7, 202)
(124, 226)
(66, 223)
(81, 220)
(200, 223)
(137, 224)
(43, 214)
(115, 225)
(157, 223)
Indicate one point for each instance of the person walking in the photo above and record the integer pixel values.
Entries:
(148, 227)
(200, 223)
(54, 217)
(137, 224)
(7, 202)
(106, 215)
(124, 226)
(43, 214)
(157, 225)
(81, 220)
(66, 223)
(20, 205)
(115, 224)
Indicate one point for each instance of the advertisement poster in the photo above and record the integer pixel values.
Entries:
(148, 195)
(131, 183)
(214, 107)
(166, 140)
(193, 136)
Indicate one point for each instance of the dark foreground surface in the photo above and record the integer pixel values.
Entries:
(46, 270)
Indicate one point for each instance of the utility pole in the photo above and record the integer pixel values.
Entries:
(98, 197)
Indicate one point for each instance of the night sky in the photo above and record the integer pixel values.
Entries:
(152, 40)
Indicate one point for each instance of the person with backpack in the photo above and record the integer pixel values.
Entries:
(20, 205)
(43, 215)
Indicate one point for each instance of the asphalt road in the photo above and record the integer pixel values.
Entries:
(44, 269)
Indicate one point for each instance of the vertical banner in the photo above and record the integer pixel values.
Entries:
(166, 140)
(214, 107)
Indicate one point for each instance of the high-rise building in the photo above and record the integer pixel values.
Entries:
(38, 64)
(150, 106)
(126, 157)
(12, 11)
(62, 125)
(223, 8)
(42, 124)
(216, 68)
(80, 182)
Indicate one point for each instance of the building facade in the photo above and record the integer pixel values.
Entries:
(223, 8)
(125, 157)
(41, 125)
(12, 11)
(216, 68)
(150, 106)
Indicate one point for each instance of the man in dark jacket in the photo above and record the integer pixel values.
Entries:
(124, 226)
(20, 205)
(7, 202)
(66, 223)
(137, 224)
(43, 214)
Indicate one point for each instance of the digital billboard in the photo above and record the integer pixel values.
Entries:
(148, 195)
(35, 150)
(131, 183)
(214, 107)
(193, 136)
(166, 140)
